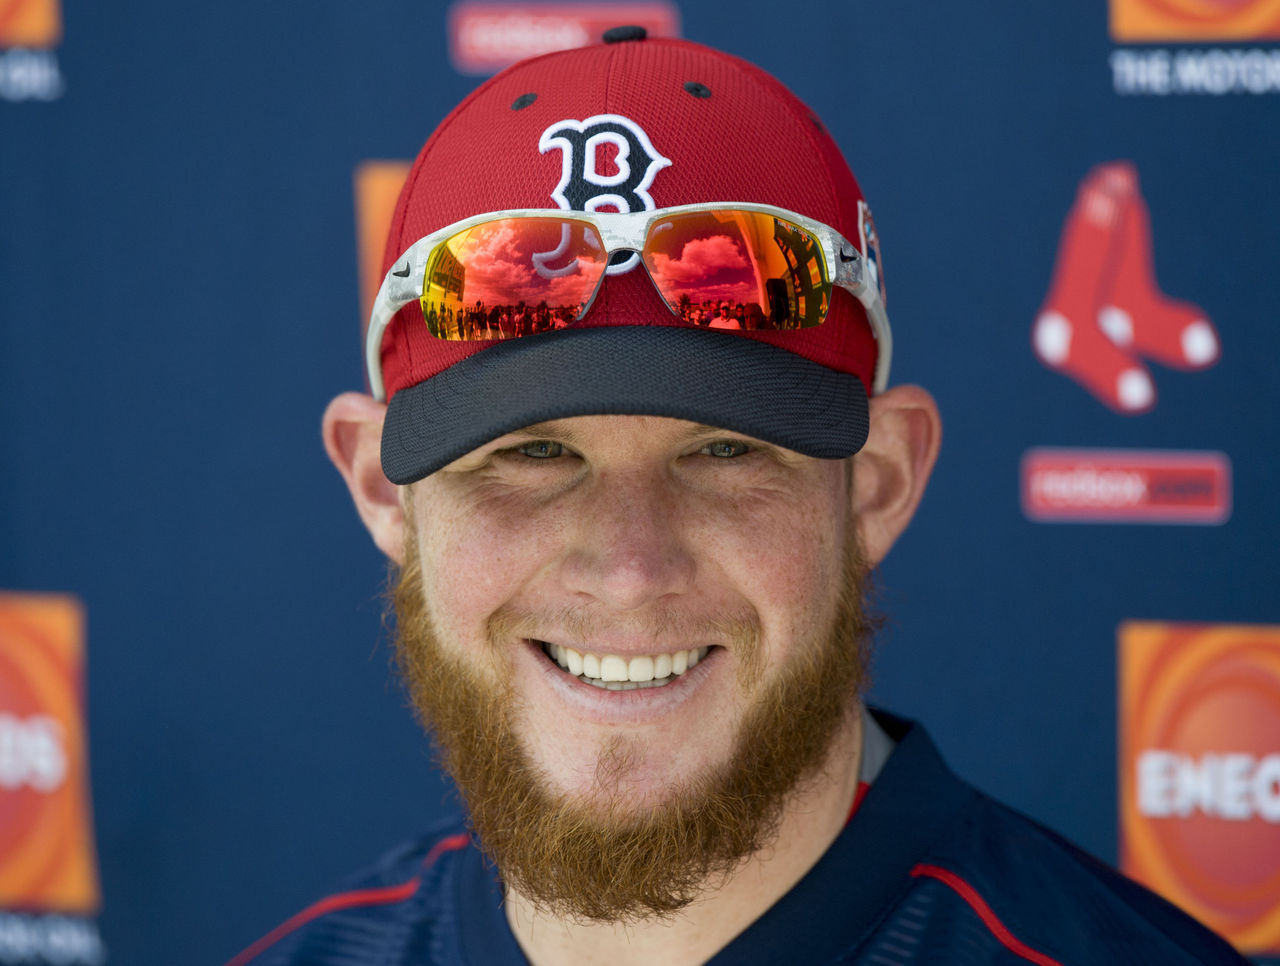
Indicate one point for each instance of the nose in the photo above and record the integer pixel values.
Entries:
(630, 548)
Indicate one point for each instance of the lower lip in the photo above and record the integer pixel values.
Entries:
(632, 705)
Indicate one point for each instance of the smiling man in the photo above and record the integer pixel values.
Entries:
(631, 553)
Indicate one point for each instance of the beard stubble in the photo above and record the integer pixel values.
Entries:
(602, 860)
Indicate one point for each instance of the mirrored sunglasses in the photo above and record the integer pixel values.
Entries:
(510, 274)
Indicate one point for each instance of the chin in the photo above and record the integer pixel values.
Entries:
(628, 777)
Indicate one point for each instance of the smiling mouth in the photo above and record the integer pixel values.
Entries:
(613, 672)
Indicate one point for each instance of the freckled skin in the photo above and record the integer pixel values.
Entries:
(636, 522)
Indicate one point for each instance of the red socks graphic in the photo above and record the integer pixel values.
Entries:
(1104, 311)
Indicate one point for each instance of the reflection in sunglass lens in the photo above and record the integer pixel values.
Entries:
(511, 277)
(738, 269)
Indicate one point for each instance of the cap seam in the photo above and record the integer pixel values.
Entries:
(764, 79)
(608, 76)
(410, 186)
(832, 193)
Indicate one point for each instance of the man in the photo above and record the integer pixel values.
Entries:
(631, 554)
(724, 320)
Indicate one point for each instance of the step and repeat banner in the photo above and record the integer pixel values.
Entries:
(200, 728)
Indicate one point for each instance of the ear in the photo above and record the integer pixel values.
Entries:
(891, 470)
(352, 431)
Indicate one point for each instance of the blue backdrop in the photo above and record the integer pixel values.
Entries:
(179, 299)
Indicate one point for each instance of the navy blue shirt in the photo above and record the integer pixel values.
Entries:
(929, 870)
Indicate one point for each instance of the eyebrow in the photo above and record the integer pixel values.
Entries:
(550, 428)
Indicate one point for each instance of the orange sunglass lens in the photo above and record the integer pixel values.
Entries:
(511, 277)
(738, 270)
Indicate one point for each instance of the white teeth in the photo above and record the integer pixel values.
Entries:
(661, 666)
(617, 673)
(573, 660)
(640, 669)
(613, 668)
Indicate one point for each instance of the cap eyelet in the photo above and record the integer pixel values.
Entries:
(697, 90)
(616, 35)
(523, 101)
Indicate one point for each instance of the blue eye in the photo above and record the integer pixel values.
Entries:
(726, 448)
(542, 449)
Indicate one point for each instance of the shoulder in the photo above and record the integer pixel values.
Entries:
(364, 919)
(1030, 894)
(967, 879)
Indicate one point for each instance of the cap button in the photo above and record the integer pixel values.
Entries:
(615, 35)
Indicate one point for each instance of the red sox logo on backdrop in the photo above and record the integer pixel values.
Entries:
(584, 186)
(1105, 313)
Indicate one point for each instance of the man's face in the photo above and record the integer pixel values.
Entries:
(636, 545)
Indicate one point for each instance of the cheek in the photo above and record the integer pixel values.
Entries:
(787, 561)
(477, 558)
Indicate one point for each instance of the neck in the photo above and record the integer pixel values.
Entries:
(811, 820)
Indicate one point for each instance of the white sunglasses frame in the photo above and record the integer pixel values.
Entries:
(627, 231)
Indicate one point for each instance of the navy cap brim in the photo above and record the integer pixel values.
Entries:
(705, 376)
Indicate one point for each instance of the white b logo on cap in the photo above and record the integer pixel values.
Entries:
(583, 188)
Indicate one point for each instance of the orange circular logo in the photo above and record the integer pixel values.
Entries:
(1200, 772)
(1191, 20)
(46, 852)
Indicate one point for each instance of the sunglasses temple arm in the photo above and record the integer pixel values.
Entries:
(851, 274)
(403, 284)
(884, 340)
(378, 321)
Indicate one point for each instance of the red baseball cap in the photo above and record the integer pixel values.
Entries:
(687, 125)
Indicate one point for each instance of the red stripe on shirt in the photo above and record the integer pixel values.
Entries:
(858, 796)
(979, 905)
(351, 900)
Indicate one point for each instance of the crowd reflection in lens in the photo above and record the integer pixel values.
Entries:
(450, 320)
(521, 276)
